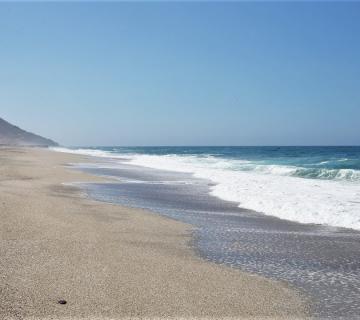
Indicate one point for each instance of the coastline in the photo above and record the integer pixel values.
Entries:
(108, 260)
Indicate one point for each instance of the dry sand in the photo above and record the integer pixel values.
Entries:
(106, 260)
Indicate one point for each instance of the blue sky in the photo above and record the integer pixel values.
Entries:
(182, 73)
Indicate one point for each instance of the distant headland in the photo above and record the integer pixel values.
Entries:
(14, 136)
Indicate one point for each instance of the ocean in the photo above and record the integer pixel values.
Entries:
(312, 185)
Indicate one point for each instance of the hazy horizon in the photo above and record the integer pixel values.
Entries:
(206, 146)
(183, 74)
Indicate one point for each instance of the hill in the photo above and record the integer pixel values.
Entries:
(14, 136)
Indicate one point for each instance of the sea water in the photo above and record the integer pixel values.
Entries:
(316, 185)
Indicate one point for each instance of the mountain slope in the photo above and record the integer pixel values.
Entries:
(12, 135)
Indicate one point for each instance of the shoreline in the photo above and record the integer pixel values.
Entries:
(320, 261)
(303, 190)
(108, 260)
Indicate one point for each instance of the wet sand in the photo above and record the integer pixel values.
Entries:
(107, 260)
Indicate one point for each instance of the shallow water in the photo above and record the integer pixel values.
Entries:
(318, 185)
(323, 262)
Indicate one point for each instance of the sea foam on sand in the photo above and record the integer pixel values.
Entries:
(330, 202)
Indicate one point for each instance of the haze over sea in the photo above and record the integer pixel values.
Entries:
(318, 185)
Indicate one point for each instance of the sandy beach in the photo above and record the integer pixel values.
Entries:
(109, 261)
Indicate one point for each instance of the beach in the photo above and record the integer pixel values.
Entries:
(108, 260)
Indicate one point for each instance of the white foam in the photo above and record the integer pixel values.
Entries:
(88, 152)
(335, 203)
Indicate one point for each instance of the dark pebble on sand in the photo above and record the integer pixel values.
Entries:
(62, 302)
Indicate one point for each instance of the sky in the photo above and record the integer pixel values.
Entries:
(157, 73)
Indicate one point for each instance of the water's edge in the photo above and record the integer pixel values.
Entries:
(307, 185)
(323, 262)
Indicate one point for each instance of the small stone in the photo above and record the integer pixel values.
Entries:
(62, 302)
